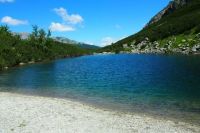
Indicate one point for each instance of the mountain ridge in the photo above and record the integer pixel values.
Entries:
(80, 44)
(25, 35)
(170, 8)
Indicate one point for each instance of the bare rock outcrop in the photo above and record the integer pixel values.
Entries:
(170, 8)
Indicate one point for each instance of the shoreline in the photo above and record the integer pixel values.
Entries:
(25, 113)
(113, 108)
(147, 53)
(22, 64)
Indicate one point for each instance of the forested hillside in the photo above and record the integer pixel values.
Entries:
(175, 31)
(38, 47)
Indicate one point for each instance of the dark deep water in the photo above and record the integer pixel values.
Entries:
(167, 86)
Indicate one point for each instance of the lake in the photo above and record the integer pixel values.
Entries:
(160, 85)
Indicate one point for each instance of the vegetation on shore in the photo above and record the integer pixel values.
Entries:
(38, 47)
(183, 24)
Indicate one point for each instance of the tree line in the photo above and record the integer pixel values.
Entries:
(39, 46)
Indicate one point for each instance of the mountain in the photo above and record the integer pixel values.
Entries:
(65, 40)
(174, 29)
(80, 44)
(170, 8)
(25, 35)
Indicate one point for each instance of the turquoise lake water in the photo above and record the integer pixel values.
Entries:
(161, 85)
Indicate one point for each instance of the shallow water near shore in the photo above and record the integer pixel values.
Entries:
(162, 85)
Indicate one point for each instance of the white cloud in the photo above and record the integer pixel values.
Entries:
(60, 27)
(72, 19)
(107, 41)
(11, 21)
(5, 1)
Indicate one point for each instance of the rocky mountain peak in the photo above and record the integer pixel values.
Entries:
(171, 7)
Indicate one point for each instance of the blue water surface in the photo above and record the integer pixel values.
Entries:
(162, 85)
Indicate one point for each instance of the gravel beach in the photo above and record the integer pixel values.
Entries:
(34, 114)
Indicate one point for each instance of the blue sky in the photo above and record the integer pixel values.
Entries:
(98, 22)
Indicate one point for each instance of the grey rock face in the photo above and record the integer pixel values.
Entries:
(171, 7)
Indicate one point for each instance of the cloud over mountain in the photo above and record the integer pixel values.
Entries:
(60, 27)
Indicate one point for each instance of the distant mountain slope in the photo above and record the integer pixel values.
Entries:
(80, 44)
(180, 17)
(65, 40)
(25, 35)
